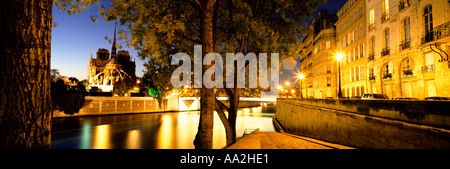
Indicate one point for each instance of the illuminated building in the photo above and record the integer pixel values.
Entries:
(104, 71)
(316, 58)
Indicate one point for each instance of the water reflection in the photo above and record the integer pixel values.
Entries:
(102, 137)
(86, 135)
(150, 131)
(133, 139)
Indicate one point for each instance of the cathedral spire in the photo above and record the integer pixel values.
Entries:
(113, 49)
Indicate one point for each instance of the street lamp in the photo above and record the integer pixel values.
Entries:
(287, 89)
(339, 58)
(281, 91)
(301, 77)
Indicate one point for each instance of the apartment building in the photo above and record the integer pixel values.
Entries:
(351, 43)
(317, 58)
(408, 46)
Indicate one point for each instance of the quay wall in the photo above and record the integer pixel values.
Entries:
(368, 123)
(94, 105)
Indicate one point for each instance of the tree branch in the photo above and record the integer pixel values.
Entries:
(222, 106)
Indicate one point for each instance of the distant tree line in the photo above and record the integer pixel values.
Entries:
(65, 98)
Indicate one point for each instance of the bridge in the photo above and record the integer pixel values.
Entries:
(193, 103)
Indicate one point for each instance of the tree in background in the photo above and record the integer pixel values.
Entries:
(157, 77)
(122, 86)
(163, 28)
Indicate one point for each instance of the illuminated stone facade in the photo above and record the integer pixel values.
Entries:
(316, 58)
(403, 47)
(104, 71)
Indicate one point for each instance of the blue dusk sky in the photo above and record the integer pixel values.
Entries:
(76, 37)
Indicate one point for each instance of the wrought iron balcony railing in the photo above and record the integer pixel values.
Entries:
(428, 68)
(387, 76)
(372, 26)
(437, 33)
(371, 57)
(407, 72)
(405, 44)
(384, 16)
(403, 4)
(385, 52)
(371, 78)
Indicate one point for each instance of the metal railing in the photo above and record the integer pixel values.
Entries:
(385, 52)
(403, 4)
(428, 68)
(437, 33)
(405, 44)
(384, 16)
(371, 26)
(371, 57)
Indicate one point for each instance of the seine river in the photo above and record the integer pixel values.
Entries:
(174, 130)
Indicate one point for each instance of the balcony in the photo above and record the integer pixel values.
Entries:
(405, 45)
(384, 17)
(371, 78)
(385, 52)
(371, 57)
(437, 33)
(427, 68)
(407, 73)
(403, 4)
(387, 76)
(372, 26)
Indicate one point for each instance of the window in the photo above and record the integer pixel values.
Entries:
(371, 16)
(406, 67)
(358, 51)
(428, 17)
(354, 54)
(429, 63)
(360, 11)
(328, 68)
(406, 29)
(386, 38)
(372, 47)
(388, 70)
(385, 15)
(429, 60)
(327, 45)
(406, 43)
(328, 81)
(403, 4)
(362, 51)
(361, 31)
(357, 73)
(361, 72)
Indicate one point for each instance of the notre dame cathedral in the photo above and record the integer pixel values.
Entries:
(107, 69)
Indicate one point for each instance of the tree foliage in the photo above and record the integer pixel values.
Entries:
(160, 29)
(157, 76)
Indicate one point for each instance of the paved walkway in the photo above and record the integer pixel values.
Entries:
(275, 140)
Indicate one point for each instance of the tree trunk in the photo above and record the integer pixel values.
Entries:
(203, 139)
(25, 111)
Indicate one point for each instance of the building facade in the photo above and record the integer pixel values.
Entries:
(108, 68)
(398, 48)
(316, 58)
(408, 48)
(351, 44)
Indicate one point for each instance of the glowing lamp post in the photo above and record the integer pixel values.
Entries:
(339, 58)
(287, 89)
(301, 77)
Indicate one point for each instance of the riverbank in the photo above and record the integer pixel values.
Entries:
(99, 106)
